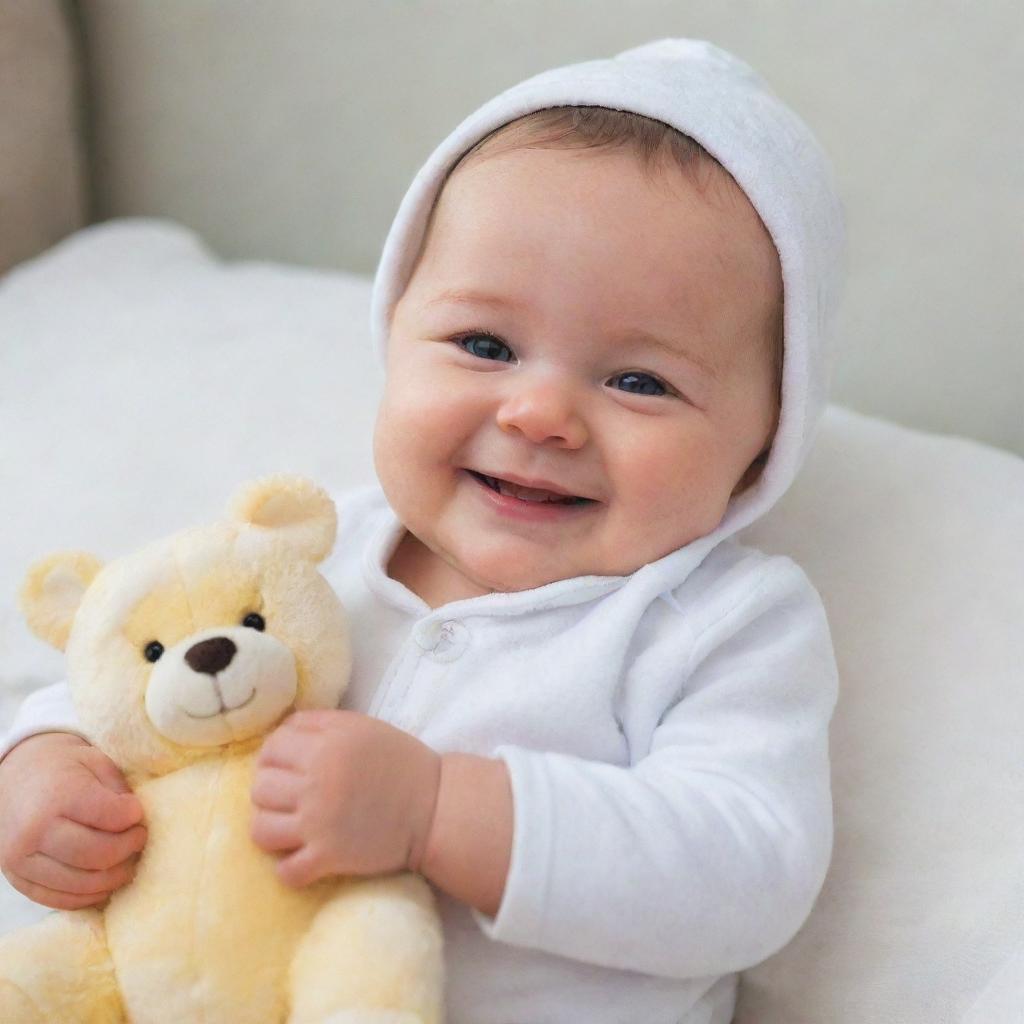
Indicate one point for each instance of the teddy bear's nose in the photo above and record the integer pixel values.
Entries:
(211, 655)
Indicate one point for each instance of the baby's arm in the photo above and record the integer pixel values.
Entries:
(71, 826)
(48, 709)
(706, 856)
(469, 843)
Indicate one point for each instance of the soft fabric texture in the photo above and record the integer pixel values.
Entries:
(205, 930)
(668, 755)
(724, 104)
(912, 539)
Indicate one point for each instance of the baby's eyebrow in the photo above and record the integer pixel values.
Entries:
(465, 296)
(643, 337)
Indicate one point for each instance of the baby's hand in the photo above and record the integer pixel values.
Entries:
(341, 793)
(71, 831)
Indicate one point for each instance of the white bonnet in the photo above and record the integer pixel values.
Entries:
(727, 107)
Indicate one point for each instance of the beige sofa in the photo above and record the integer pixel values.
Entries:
(239, 173)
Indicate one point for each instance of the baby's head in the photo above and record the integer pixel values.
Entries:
(585, 364)
(581, 311)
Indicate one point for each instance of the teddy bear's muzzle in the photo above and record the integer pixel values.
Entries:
(221, 686)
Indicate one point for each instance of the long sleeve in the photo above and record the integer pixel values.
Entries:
(48, 709)
(706, 855)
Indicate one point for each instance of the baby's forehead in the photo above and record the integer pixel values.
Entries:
(488, 185)
(653, 213)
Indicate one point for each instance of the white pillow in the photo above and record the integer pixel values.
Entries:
(142, 379)
(916, 543)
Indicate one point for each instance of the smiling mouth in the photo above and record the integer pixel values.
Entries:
(224, 707)
(534, 494)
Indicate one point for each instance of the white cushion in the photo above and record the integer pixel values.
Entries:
(143, 379)
(915, 543)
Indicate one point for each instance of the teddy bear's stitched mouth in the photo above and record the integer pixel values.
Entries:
(224, 707)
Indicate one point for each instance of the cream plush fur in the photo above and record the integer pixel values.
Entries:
(205, 932)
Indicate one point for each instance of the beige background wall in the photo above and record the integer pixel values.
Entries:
(290, 131)
(43, 192)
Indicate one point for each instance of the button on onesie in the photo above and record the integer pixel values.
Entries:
(444, 640)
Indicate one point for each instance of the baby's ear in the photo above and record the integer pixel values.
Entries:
(291, 508)
(52, 592)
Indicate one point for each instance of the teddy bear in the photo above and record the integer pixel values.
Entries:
(181, 657)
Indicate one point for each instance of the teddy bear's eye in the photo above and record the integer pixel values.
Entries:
(254, 621)
(153, 650)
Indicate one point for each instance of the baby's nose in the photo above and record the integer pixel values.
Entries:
(210, 656)
(544, 413)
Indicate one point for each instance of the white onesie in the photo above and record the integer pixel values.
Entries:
(668, 752)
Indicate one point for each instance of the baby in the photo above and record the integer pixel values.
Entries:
(596, 723)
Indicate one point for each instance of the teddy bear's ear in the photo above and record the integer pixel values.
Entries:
(292, 507)
(52, 592)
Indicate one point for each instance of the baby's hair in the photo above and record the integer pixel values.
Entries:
(599, 128)
(653, 142)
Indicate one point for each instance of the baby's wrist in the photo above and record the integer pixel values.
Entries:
(468, 844)
(427, 851)
(424, 823)
(37, 740)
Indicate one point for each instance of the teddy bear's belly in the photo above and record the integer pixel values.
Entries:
(206, 931)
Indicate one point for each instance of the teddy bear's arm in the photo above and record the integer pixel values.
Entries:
(375, 951)
(59, 969)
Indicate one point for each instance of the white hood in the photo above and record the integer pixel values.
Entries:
(727, 107)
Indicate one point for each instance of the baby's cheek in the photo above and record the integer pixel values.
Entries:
(406, 420)
(667, 495)
(651, 470)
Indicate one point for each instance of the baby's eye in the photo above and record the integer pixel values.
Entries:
(639, 384)
(485, 346)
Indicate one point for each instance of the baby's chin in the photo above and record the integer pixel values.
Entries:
(494, 572)
(509, 575)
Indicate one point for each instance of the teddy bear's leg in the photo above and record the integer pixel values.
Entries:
(373, 955)
(59, 970)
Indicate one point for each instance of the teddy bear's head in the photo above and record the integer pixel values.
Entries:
(205, 640)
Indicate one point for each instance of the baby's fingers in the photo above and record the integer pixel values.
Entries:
(55, 898)
(104, 769)
(303, 867)
(276, 790)
(99, 807)
(90, 849)
(281, 749)
(275, 831)
(45, 871)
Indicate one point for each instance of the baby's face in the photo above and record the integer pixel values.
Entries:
(576, 377)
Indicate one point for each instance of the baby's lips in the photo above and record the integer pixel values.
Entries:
(539, 484)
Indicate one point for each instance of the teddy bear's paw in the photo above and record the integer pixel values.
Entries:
(373, 1017)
